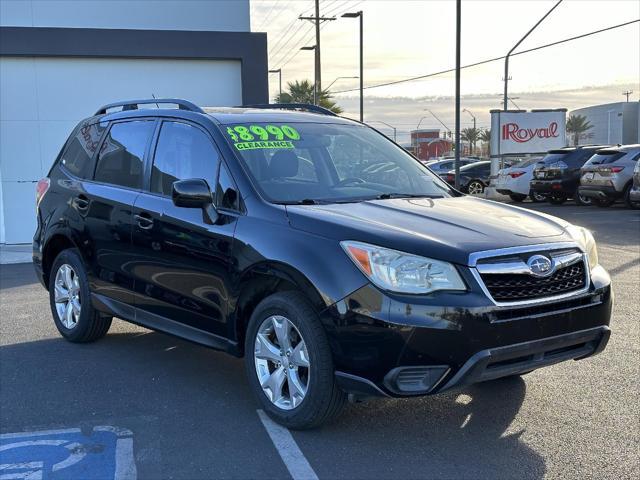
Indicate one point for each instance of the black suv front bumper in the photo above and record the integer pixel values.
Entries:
(402, 346)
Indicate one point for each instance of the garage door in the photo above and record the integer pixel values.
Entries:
(43, 98)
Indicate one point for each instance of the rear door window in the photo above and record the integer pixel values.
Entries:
(183, 152)
(121, 157)
(78, 156)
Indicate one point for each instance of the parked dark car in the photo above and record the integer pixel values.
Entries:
(474, 177)
(608, 175)
(324, 254)
(558, 177)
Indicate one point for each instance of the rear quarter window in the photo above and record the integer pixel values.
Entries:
(79, 154)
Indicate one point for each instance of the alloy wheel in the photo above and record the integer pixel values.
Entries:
(67, 296)
(282, 362)
(475, 188)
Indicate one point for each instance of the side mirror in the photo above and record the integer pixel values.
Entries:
(191, 193)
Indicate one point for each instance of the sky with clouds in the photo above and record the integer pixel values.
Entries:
(405, 38)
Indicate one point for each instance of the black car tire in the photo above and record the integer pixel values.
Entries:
(627, 198)
(91, 324)
(556, 199)
(517, 197)
(604, 202)
(582, 200)
(324, 399)
(537, 197)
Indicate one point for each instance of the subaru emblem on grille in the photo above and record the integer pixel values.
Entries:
(540, 266)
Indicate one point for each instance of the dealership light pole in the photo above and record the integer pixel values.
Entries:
(474, 126)
(506, 59)
(279, 72)
(316, 96)
(361, 16)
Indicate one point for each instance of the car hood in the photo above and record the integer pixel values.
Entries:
(446, 229)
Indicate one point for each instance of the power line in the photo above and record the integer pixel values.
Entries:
(268, 15)
(482, 62)
(286, 30)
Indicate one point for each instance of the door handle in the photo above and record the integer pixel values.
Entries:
(145, 222)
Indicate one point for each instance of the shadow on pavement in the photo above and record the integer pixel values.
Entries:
(17, 275)
(454, 435)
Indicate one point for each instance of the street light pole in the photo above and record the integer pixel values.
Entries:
(458, 32)
(438, 119)
(395, 131)
(360, 15)
(506, 59)
(336, 79)
(279, 72)
(474, 128)
(316, 98)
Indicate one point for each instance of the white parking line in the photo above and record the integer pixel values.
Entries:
(288, 449)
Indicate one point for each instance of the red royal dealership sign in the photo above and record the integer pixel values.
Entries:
(530, 132)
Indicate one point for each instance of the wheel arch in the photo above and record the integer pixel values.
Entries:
(55, 244)
(261, 281)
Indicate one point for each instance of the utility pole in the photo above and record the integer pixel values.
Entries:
(317, 19)
(627, 93)
(506, 59)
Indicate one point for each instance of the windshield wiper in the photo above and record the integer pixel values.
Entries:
(304, 201)
(388, 196)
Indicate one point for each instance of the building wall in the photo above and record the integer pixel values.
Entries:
(213, 15)
(613, 123)
(43, 97)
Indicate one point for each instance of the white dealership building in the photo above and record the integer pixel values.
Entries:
(61, 60)
(611, 123)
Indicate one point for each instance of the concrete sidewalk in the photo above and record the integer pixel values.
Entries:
(15, 253)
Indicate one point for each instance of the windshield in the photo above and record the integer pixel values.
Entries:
(318, 163)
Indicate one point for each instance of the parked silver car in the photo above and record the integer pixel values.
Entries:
(443, 166)
(608, 175)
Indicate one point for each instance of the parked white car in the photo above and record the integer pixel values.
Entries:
(514, 181)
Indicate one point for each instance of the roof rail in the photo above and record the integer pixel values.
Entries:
(133, 105)
(294, 106)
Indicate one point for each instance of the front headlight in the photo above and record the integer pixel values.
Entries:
(585, 239)
(402, 272)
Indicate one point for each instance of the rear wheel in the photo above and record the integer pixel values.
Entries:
(557, 199)
(582, 200)
(627, 198)
(475, 187)
(537, 197)
(289, 363)
(517, 197)
(70, 299)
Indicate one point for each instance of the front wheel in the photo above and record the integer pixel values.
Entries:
(289, 363)
(627, 199)
(475, 187)
(70, 299)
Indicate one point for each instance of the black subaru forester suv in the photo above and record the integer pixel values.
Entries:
(336, 263)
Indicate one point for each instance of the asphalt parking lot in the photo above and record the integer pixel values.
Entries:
(187, 411)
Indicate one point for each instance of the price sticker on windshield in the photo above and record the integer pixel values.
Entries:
(253, 137)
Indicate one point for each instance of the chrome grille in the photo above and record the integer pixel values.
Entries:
(508, 287)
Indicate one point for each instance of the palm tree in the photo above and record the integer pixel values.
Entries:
(470, 135)
(577, 125)
(485, 137)
(302, 92)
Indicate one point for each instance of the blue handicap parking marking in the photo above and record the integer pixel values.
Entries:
(104, 453)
